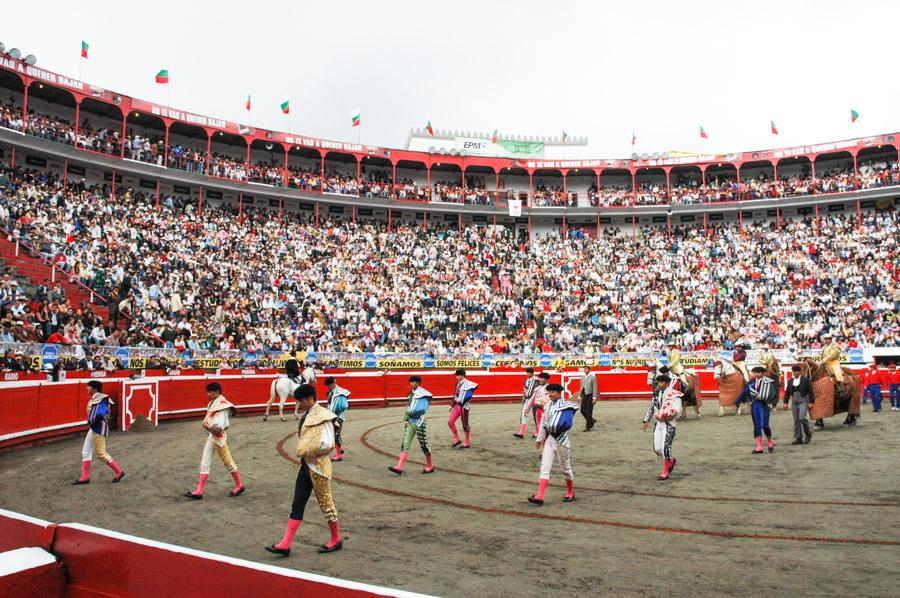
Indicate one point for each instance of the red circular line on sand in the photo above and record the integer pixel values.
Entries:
(592, 521)
(789, 501)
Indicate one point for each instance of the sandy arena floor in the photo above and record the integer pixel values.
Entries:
(808, 520)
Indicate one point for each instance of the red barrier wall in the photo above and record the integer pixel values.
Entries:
(21, 531)
(32, 411)
(104, 563)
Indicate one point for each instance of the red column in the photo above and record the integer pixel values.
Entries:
(530, 194)
(241, 208)
(497, 193)
(358, 180)
(597, 235)
(462, 174)
(428, 179)
(703, 175)
(65, 172)
(633, 188)
(855, 173)
(122, 139)
(775, 172)
(669, 225)
(738, 183)
(598, 197)
(565, 229)
(565, 190)
(200, 202)
(77, 119)
(247, 165)
(321, 187)
(394, 182)
(157, 194)
(284, 176)
(813, 163)
(165, 158)
(208, 152)
(25, 109)
(668, 186)
(741, 220)
(280, 207)
(459, 224)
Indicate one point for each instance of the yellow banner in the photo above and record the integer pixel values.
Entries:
(574, 362)
(400, 364)
(457, 363)
(208, 363)
(351, 363)
(512, 362)
(137, 363)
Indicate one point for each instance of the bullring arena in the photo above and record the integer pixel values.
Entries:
(825, 519)
(354, 299)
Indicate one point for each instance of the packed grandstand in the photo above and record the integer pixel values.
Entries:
(173, 268)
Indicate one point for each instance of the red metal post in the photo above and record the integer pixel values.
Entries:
(428, 179)
(25, 109)
(565, 174)
(813, 162)
(157, 194)
(200, 201)
(565, 229)
(77, 119)
(280, 208)
(165, 158)
(459, 224)
(247, 166)
(703, 174)
(321, 187)
(394, 182)
(462, 174)
(855, 173)
(530, 195)
(208, 152)
(284, 175)
(739, 194)
(669, 225)
(633, 188)
(668, 186)
(65, 172)
(241, 208)
(741, 221)
(497, 193)
(122, 140)
(358, 179)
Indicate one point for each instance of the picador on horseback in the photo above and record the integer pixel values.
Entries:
(837, 389)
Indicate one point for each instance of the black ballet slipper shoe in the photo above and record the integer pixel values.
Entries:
(535, 501)
(237, 492)
(323, 549)
(279, 551)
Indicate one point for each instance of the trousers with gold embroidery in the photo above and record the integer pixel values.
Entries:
(220, 444)
(94, 441)
(309, 482)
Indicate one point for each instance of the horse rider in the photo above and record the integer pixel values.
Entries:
(674, 355)
(831, 357)
(740, 361)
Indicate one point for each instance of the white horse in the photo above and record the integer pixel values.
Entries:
(725, 369)
(282, 388)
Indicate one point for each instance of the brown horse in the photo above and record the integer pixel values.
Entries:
(731, 383)
(833, 397)
(692, 392)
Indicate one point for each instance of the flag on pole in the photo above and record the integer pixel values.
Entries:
(633, 138)
(429, 129)
(564, 136)
(853, 115)
(162, 76)
(703, 134)
(286, 106)
(84, 49)
(355, 117)
(773, 127)
(494, 137)
(247, 105)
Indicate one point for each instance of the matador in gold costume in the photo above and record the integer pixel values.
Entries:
(217, 420)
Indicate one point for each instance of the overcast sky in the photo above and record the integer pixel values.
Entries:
(600, 69)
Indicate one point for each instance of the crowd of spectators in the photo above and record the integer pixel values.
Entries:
(212, 281)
